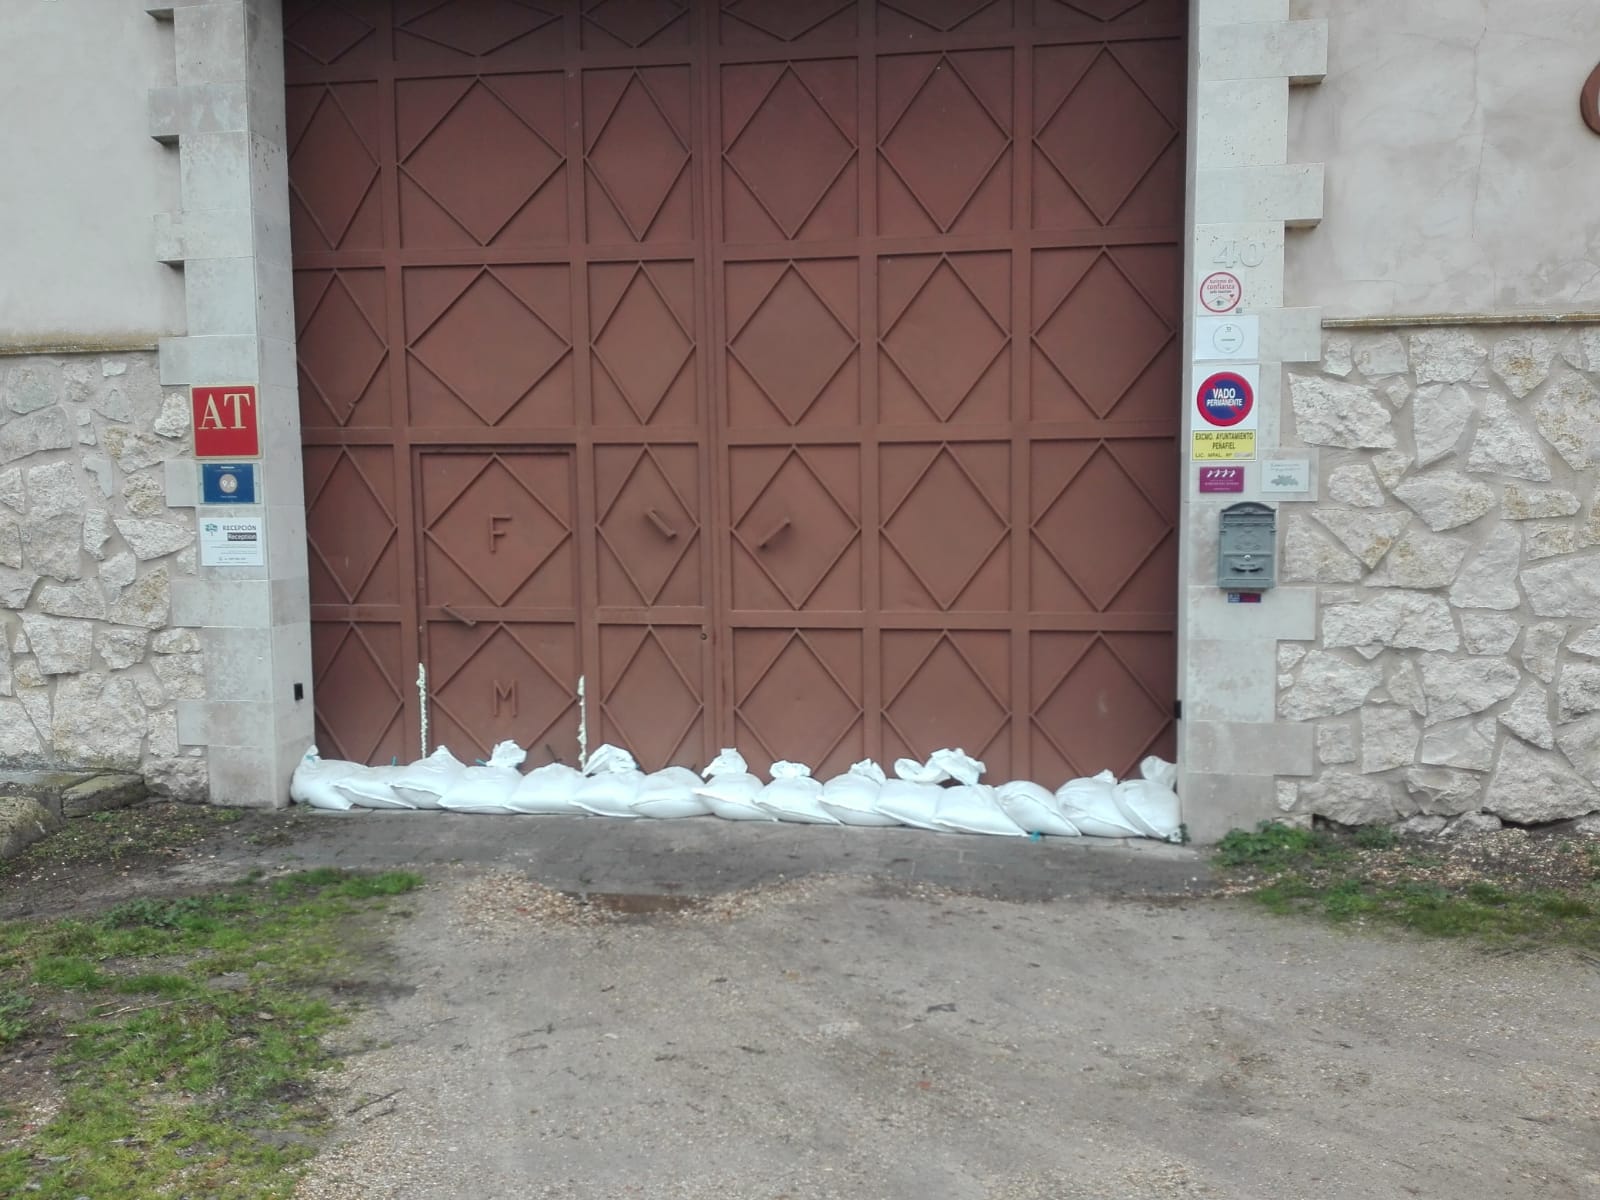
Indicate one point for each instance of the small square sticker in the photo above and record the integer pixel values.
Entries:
(1286, 475)
(228, 483)
(1221, 479)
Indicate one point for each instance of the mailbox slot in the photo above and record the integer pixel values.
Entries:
(1247, 554)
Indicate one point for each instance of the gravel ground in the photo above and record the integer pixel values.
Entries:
(838, 1036)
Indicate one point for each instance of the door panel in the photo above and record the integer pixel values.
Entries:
(503, 681)
(798, 696)
(500, 602)
(497, 531)
(796, 529)
(948, 688)
(651, 695)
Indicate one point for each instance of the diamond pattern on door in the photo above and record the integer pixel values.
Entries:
(649, 534)
(948, 688)
(650, 696)
(497, 530)
(789, 150)
(1089, 171)
(350, 525)
(1099, 702)
(320, 33)
(946, 334)
(913, 17)
(340, 320)
(643, 343)
(792, 350)
(797, 696)
(428, 31)
(481, 160)
(1124, 490)
(634, 23)
(928, 103)
(796, 540)
(360, 676)
(637, 151)
(489, 345)
(760, 22)
(945, 526)
(334, 206)
(1105, 342)
(504, 681)
(1085, 14)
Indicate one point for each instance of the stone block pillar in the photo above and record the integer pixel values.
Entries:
(225, 114)
(1244, 194)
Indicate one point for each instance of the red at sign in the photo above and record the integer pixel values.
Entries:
(225, 422)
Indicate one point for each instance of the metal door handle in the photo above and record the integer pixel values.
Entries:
(456, 616)
(660, 522)
(776, 530)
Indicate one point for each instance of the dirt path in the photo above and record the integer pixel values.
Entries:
(836, 1038)
(885, 1014)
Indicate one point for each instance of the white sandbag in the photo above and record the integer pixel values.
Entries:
(314, 780)
(957, 764)
(732, 796)
(852, 798)
(550, 789)
(729, 762)
(913, 804)
(669, 793)
(487, 787)
(867, 769)
(911, 771)
(1149, 806)
(1034, 809)
(610, 794)
(941, 765)
(1091, 805)
(374, 788)
(609, 760)
(794, 796)
(1158, 770)
(422, 783)
(481, 790)
(973, 808)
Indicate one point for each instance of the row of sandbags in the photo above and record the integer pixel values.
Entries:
(943, 794)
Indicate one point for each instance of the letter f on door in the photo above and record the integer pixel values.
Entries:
(496, 532)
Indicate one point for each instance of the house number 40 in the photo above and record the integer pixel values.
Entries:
(1238, 252)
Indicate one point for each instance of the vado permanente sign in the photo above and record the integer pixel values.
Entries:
(225, 422)
(1226, 416)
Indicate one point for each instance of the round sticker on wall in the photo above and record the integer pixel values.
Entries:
(1221, 292)
(1226, 400)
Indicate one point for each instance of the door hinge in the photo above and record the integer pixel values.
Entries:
(1177, 710)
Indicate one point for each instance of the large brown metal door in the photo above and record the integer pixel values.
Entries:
(856, 328)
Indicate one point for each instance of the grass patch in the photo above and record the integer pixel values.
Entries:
(1269, 846)
(1509, 888)
(193, 1029)
(15, 1006)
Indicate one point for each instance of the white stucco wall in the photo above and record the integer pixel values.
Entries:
(1460, 179)
(81, 178)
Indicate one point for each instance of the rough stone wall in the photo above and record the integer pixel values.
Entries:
(89, 670)
(1454, 545)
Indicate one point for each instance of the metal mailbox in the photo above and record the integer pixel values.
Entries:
(1247, 554)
